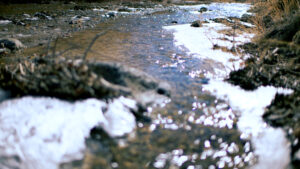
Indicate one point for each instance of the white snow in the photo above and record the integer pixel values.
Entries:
(200, 41)
(4, 22)
(270, 144)
(45, 132)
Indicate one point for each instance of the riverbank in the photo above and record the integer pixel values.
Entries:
(275, 62)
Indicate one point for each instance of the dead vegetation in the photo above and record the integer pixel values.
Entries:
(276, 61)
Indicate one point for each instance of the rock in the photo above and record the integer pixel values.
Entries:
(246, 18)
(174, 22)
(12, 44)
(79, 19)
(110, 14)
(124, 10)
(18, 22)
(26, 15)
(42, 15)
(196, 24)
(203, 9)
(296, 38)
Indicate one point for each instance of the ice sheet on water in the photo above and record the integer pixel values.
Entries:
(44, 132)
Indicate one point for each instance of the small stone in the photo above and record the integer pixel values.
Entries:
(42, 15)
(174, 22)
(203, 9)
(124, 10)
(111, 14)
(196, 24)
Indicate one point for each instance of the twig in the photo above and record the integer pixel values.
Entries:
(92, 43)
(54, 47)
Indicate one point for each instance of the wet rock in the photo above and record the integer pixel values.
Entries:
(26, 15)
(11, 44)
(203, 9)
(110, 14)
(196, 24)
(79, 19)
(43, 15)
(124, 9)
(247, 18)
(18, 22)
(296, 38)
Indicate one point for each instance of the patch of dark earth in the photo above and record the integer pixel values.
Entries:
(275, 61)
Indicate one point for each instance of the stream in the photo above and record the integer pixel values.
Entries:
(205, 124)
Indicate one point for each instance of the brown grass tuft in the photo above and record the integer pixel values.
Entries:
(270, 11)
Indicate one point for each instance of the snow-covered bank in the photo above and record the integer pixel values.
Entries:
(44, 132)
(270, 144)
(200, 42)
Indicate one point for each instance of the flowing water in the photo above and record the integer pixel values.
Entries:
(193, 129)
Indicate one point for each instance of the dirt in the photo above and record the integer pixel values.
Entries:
(275, 61)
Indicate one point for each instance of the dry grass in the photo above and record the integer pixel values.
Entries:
(275, 9)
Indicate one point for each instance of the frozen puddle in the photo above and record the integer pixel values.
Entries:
(44, 132)
(270, 144)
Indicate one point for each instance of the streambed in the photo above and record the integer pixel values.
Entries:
(197, 127)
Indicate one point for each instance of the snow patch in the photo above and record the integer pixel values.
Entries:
(44, 132)
(270, 144)
(200, 42)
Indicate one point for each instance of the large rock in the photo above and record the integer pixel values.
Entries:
(10, 43)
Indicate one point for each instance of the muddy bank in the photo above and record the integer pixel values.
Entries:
(275, 61)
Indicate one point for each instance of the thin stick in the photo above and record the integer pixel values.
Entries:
(54, 47)
(92, 43)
